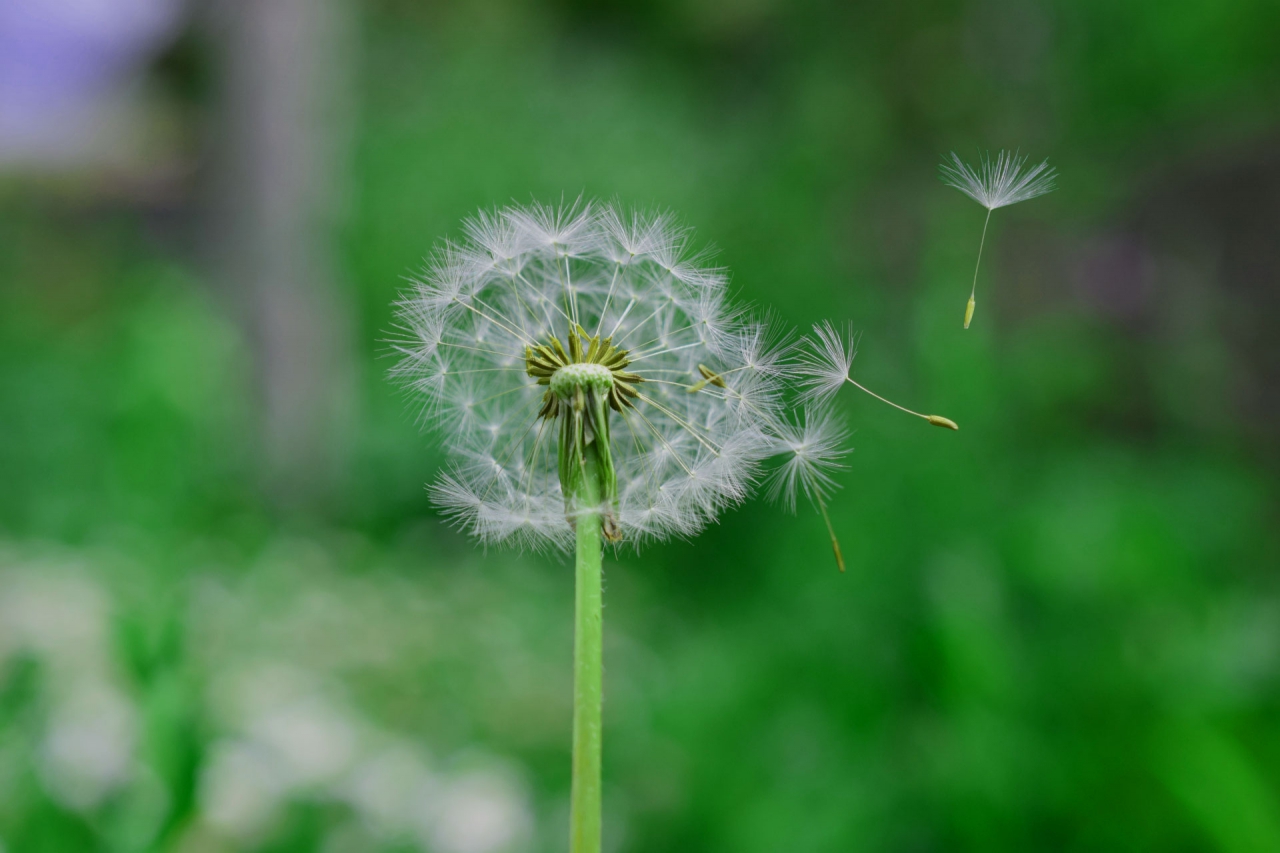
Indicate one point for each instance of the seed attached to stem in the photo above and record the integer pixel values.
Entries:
(831, 359)
(994, 184)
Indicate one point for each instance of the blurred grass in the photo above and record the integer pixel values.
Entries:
(1060, 628)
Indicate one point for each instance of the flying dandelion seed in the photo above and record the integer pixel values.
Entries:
(812, 448)
(994, 185)
(828, 360)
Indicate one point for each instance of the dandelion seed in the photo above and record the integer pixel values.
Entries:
(812, 449)
(994, 185)
(826, 365)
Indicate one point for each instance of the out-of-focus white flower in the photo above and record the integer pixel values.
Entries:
(88, 749)
(311, 739)
(482, 811)
(53, 611)
(56, 613)
(557, 345)
(241, 789)
(292, 715)
(287, 735)
(389, 787)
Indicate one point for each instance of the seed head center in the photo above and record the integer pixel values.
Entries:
(571, 377)
(588, 364)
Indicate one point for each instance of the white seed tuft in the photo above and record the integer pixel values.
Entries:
(827, 361)
(998, 183)
(812, 450)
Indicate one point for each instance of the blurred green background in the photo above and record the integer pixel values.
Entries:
(230, 619)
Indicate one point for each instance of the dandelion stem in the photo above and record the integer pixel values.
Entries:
(588, 675)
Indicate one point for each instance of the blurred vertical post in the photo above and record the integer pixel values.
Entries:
(286, 79)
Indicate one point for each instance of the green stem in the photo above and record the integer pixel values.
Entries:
(973, 290)
(588, 675)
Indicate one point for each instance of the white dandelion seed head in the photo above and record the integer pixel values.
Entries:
(713, 381)
(1000, 182)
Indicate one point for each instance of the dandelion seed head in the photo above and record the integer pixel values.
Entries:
(506, 333)
(999, 182)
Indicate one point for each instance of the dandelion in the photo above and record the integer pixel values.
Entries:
(992, 185)
(594, 383)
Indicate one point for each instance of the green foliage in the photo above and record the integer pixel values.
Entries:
(1060, 628)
